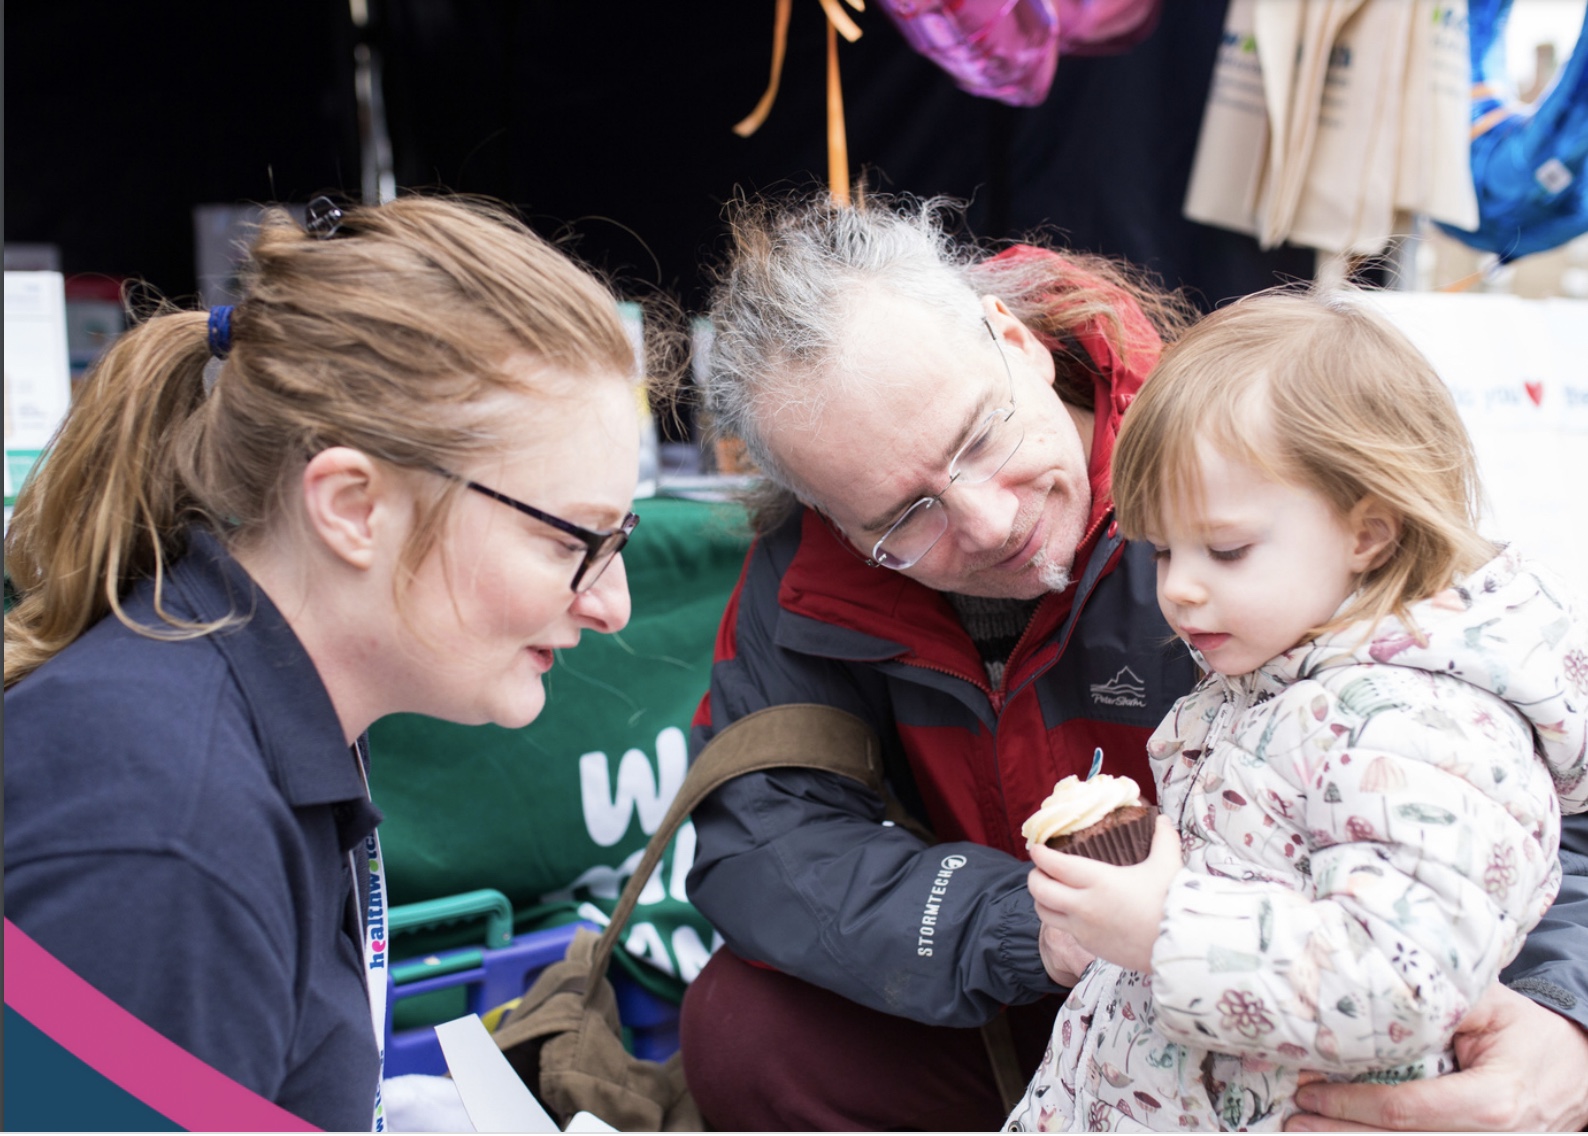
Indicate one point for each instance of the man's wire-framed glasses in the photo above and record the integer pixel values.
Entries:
(979, 460)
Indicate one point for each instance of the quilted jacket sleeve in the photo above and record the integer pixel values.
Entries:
(1430, 834)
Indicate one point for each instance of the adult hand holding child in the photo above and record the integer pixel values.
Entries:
(1520, 1072)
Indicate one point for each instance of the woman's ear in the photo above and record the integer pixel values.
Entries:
(347, 501)
(1375, 530)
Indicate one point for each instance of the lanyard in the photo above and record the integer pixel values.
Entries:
(374, 949)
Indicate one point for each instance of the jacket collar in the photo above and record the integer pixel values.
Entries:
(297, 726)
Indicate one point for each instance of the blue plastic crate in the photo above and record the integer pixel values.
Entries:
(494, 975)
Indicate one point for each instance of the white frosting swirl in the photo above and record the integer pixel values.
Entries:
(1075, 804)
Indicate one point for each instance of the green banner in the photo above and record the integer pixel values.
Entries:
(19, 464)
(555, 815)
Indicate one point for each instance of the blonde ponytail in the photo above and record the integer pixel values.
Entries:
(105, 507)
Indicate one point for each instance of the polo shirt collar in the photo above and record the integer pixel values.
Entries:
(299, 732)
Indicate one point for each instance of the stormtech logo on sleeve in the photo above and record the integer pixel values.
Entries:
(928, 931)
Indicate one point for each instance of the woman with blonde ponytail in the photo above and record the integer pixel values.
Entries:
(396, 476)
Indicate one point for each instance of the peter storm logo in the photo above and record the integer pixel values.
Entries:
(1124, 689)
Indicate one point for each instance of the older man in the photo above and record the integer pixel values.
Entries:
(940, 561)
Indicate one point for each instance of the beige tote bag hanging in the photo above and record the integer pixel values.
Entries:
(1347, 199)
(1232, 149)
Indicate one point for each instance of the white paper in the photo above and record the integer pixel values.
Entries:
(423, 1102)
(494, 1096)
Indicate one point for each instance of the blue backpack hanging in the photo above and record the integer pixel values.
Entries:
(1529, 162)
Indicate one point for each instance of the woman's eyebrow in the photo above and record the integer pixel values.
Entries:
(607, 517)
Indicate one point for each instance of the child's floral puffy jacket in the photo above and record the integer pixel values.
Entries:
(1370, 827)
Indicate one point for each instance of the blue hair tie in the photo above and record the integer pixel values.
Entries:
(221, 331)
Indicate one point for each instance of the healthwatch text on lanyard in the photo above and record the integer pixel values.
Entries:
(374, 942)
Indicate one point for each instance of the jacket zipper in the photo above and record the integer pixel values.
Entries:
(1073, 619)
(980, 685)
(1002, 695)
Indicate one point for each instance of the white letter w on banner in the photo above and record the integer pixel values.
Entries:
(607, 814)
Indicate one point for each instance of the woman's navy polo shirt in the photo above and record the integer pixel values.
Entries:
(178, 822)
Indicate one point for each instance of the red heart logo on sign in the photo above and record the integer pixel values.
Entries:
(1535, 391)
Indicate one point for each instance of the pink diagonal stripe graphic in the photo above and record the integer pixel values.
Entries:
(141, 1060)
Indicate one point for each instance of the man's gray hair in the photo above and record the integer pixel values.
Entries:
(784, 305)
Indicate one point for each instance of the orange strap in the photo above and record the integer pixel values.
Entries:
(839, 18)
(838, 23)
(837, 143)
(752, 122)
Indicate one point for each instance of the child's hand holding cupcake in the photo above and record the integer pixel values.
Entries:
(1108, 885)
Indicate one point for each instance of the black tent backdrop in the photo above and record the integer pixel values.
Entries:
(607, 123)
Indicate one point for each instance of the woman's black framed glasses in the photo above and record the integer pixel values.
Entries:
(599, 547)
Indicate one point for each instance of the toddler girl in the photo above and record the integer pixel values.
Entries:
(1367, 785)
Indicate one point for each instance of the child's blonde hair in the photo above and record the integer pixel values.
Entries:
(1320, 391)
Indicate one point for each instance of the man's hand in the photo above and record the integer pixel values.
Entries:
(1111, 912)
(1523, 1069)
(1062, 956)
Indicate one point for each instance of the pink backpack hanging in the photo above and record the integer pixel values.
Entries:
(1008, 49)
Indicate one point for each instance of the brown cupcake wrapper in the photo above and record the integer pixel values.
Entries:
(1122, 844)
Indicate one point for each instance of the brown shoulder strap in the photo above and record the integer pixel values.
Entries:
(1005, 1059)
(803, 734)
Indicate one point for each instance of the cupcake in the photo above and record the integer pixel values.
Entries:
(1101, 818)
